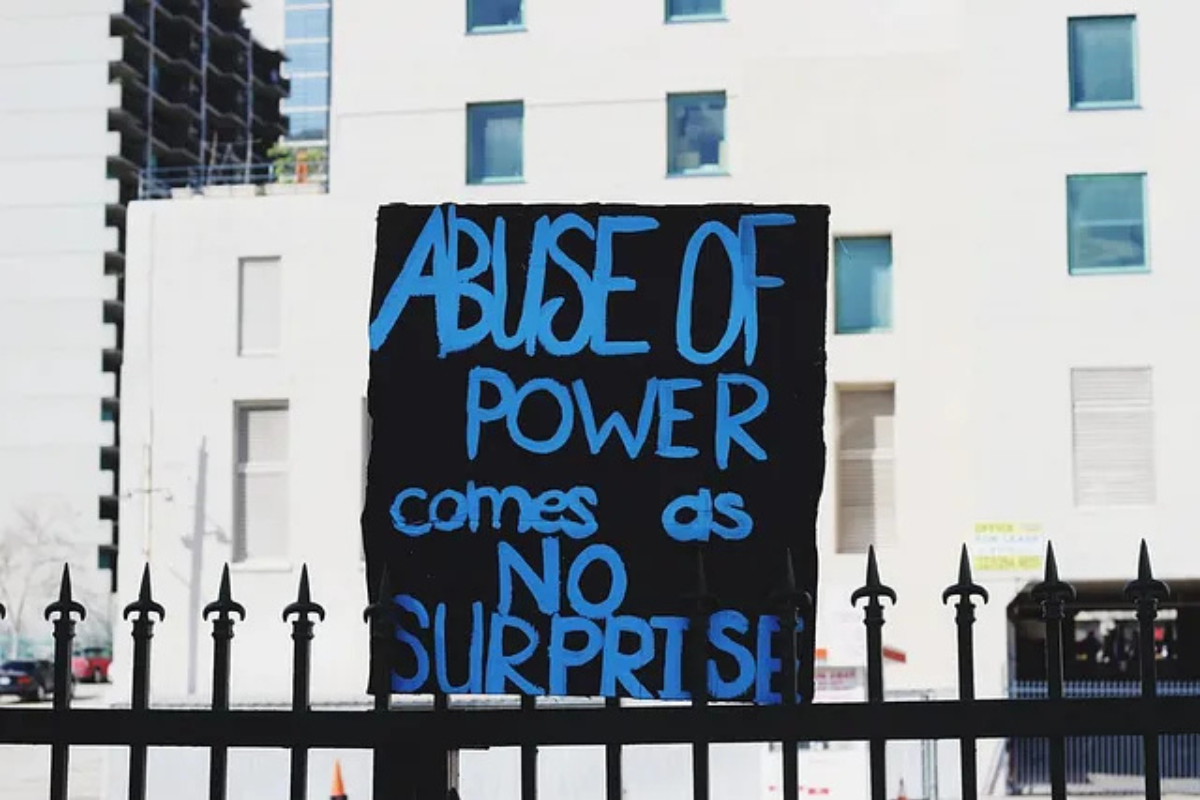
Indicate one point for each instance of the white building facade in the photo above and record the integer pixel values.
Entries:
(1010, 314)
(55, 281)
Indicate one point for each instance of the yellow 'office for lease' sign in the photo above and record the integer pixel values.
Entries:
(1008, 547)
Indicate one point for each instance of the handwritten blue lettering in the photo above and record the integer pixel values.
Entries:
(501, 666)
(673, 627)
(618, 582)
(718, 625)
(703, 521)
(415, 681)
(561, 657)
(605, 283)
(729, 427)
(474, 681)
(618, 667)
(741, 250)
(668, 415)
(543, 587)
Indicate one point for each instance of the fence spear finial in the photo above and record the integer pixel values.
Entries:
(380, 606)
(874, 589)
(65, 605)
(789, 594)
(1052, 590)
(145, 604)
(304, 607)
(225, 606)
(1051, 564)
(966, 586)
(1146, 587)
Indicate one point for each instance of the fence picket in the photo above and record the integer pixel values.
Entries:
(964, 618)
(61, 612)
(1053, 594)
(703, 604)
(302, 611)
(873, 591)
(613, 788)
(791, 600)
(139, 700)
(222, 611)
(1146, 592)
(381, 616)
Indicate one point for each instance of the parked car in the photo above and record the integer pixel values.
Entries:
(31, 680)
(91, 665)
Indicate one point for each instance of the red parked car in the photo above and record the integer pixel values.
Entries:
(91, 665)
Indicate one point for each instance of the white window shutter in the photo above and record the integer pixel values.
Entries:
(259, 306)
(1113, 436)
(263, 435)
(261, 513)
(866, 483)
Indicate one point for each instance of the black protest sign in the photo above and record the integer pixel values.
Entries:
(567, 403)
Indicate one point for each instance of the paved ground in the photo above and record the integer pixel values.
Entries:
(25, 771)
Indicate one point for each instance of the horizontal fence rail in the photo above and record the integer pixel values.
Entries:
(479, 728)
(414, 746)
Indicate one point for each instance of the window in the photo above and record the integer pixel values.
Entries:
(866, 488)
(261, 495)
(495, 142)
(863, 284)
(1113, 436)
(695, 9)
(1106, 223)
(696, 133)
(306, 23)
(258, 306)
(306, 45)
(309, 90)
(1103, 64)
(306, 57)
(307, 125)
(493, 14)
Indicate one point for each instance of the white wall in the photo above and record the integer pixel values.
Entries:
(54, 97)
(183, 376)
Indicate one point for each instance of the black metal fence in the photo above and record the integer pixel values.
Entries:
(1108, 764)
(412, 748)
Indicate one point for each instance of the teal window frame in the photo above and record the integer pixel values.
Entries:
(845, 287)
(1073, 65)
(474, 177)
(703, 16)
(1074, 242)
(674, 101)
(512, 27)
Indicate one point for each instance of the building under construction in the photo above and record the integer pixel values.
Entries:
(199, 97)
(197, 103)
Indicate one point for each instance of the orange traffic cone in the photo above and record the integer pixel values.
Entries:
(338, 792)
(901, 794)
